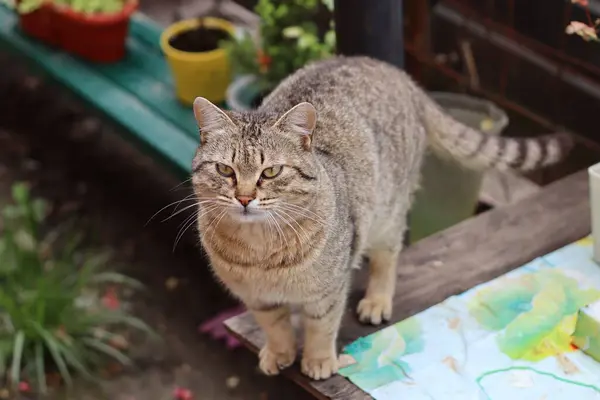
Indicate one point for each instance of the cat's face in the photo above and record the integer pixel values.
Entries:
(254, 168)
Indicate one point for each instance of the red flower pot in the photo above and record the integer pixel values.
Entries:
(39, 24)
(100, 38)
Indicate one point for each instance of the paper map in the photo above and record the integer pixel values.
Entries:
(509, 338)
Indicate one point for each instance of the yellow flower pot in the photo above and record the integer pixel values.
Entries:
(205, 74)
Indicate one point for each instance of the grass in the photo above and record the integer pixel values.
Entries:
(58, 308)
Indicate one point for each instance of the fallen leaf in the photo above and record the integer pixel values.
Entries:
(486, 124)
(110, 299)
(454, 323)
(172, 283)
(232, 382)
(451, 363)
(182, 394)
(24, 387)
(345, 360)
(566, 364)
(119, 342)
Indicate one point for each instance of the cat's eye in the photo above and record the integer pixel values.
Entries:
(272, 172)
(225, 170)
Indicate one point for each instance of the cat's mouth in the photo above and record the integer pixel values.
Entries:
(247, 214)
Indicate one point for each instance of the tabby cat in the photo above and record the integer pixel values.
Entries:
(293, 194)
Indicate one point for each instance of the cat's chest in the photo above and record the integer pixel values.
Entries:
(291, 284)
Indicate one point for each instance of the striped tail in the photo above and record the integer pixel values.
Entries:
(477, 150)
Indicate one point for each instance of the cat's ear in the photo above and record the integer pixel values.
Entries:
(209, 117)
(300, 119)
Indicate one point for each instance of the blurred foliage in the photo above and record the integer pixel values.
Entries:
(289, 38)
(82, 6)
(59, 311)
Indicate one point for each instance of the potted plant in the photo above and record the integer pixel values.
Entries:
(199, 65)
(289, 37)
(95, 30)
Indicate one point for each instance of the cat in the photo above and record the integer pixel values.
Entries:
(292, 195)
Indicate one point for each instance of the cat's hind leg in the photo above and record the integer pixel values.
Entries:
(376, 306)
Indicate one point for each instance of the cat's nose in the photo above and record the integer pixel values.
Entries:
(245, 200)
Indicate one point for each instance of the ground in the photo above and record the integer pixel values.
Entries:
(90, 173)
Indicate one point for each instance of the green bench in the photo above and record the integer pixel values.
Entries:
(135, 93)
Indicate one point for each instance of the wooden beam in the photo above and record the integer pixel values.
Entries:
(453, 261)
(503, 188)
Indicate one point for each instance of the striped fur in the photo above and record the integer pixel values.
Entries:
(478, 150)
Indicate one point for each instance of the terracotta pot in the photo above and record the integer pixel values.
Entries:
(100, 38)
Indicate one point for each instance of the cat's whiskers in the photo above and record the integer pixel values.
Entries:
(180, 184)
(179, 203)
(281, 234)
(173, 214)
(300, 212)
(304, 209)
(184, 227)
(282, 214)
(270, 226)
(189, 221)
(175, 203)
(214, 229)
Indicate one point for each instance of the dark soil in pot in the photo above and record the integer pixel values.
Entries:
(199, 40)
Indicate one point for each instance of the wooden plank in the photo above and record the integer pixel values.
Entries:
(157, 95)
(455, 260)
(503, 188)
(245, 329)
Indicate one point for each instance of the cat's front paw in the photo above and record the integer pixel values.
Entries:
(375, 309)
(271, 361)
(320, 367)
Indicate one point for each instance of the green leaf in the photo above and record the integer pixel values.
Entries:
(39, 208)
(76, 360)
(328, 4)
(107, 350)
(5, 347)
(116, 317)
(116, 278)
(293, 32)
(307, 40)
(330, 39)
(40, 366)
(17, 356)
(53, 348)
(20, 191)
(28, 6)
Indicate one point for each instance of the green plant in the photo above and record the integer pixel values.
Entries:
(53, 312)
(82, 6)
(289, 39)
